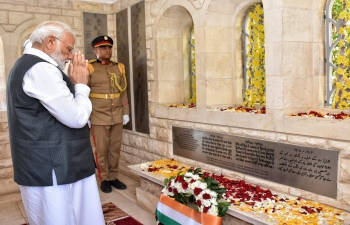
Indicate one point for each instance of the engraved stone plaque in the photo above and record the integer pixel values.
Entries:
(310, 169)
(139, 60)
(123, 51)
(94, 25)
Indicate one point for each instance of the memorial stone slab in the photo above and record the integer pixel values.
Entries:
(310, 169)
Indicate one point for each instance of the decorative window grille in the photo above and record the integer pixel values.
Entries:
(254, 57)
(337, 49)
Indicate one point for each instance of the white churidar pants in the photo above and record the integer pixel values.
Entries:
(70, 204)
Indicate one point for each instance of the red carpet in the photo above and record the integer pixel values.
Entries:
(125, 221)
(115, 216)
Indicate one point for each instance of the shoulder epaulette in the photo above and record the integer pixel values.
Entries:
(113, 61)
(92, 60)
(121, 68)
(90, 66)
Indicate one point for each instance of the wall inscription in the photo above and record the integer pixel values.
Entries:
(123, 52)
(94, 25)
(134, 47)
(139, 63)
(310, 169)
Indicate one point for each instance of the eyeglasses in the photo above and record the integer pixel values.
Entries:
(70, 48)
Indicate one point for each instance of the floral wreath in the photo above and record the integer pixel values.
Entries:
(194, 189)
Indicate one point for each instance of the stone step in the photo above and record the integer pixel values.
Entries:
(124, 169)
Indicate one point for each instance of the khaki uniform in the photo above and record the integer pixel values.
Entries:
(109, 103)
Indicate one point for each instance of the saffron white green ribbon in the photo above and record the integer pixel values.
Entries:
(171, 212)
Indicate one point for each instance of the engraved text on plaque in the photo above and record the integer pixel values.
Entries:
(310, 169)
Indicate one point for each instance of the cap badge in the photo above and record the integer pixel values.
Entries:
(105, 37)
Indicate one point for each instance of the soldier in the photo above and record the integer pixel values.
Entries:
(110, 111)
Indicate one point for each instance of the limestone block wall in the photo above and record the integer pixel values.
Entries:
(9, 187)
(294, 36)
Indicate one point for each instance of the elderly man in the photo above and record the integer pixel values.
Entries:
(110, 111)
(49, 136)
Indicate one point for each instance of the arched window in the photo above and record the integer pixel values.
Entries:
(254, 57)
(337, 53)
(175, 57)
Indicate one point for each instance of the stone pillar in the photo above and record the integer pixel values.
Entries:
(289, 55)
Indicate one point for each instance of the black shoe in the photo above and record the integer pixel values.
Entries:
(118, 184)
(106, 187)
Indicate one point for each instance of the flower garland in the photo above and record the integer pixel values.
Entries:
(341, 56)
(181, 105)
(281, 210)
(338, 116)
(255, 92)
(241, 109)
(164, 167)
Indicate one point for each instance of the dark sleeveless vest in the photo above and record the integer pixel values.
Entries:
(39, 142)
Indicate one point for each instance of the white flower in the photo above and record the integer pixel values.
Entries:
(213, 211)
(206, 203)
(195, 184)
(203, 185)
(188, 175)
(145, 166)
(213, 201)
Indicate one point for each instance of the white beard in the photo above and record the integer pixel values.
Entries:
(58, 58)
(66, 68)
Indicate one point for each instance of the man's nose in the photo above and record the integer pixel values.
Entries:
(70, 55)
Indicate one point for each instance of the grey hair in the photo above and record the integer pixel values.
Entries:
(48, 28)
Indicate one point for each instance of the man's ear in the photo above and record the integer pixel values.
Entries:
(50, 42)
(96, 51)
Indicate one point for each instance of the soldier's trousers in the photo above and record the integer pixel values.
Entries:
(107, 141)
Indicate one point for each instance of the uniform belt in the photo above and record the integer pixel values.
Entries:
(104, 96)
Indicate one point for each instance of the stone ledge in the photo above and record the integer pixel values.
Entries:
(151, 185)
(235, 215)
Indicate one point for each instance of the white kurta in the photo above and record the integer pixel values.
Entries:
(71, 204)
